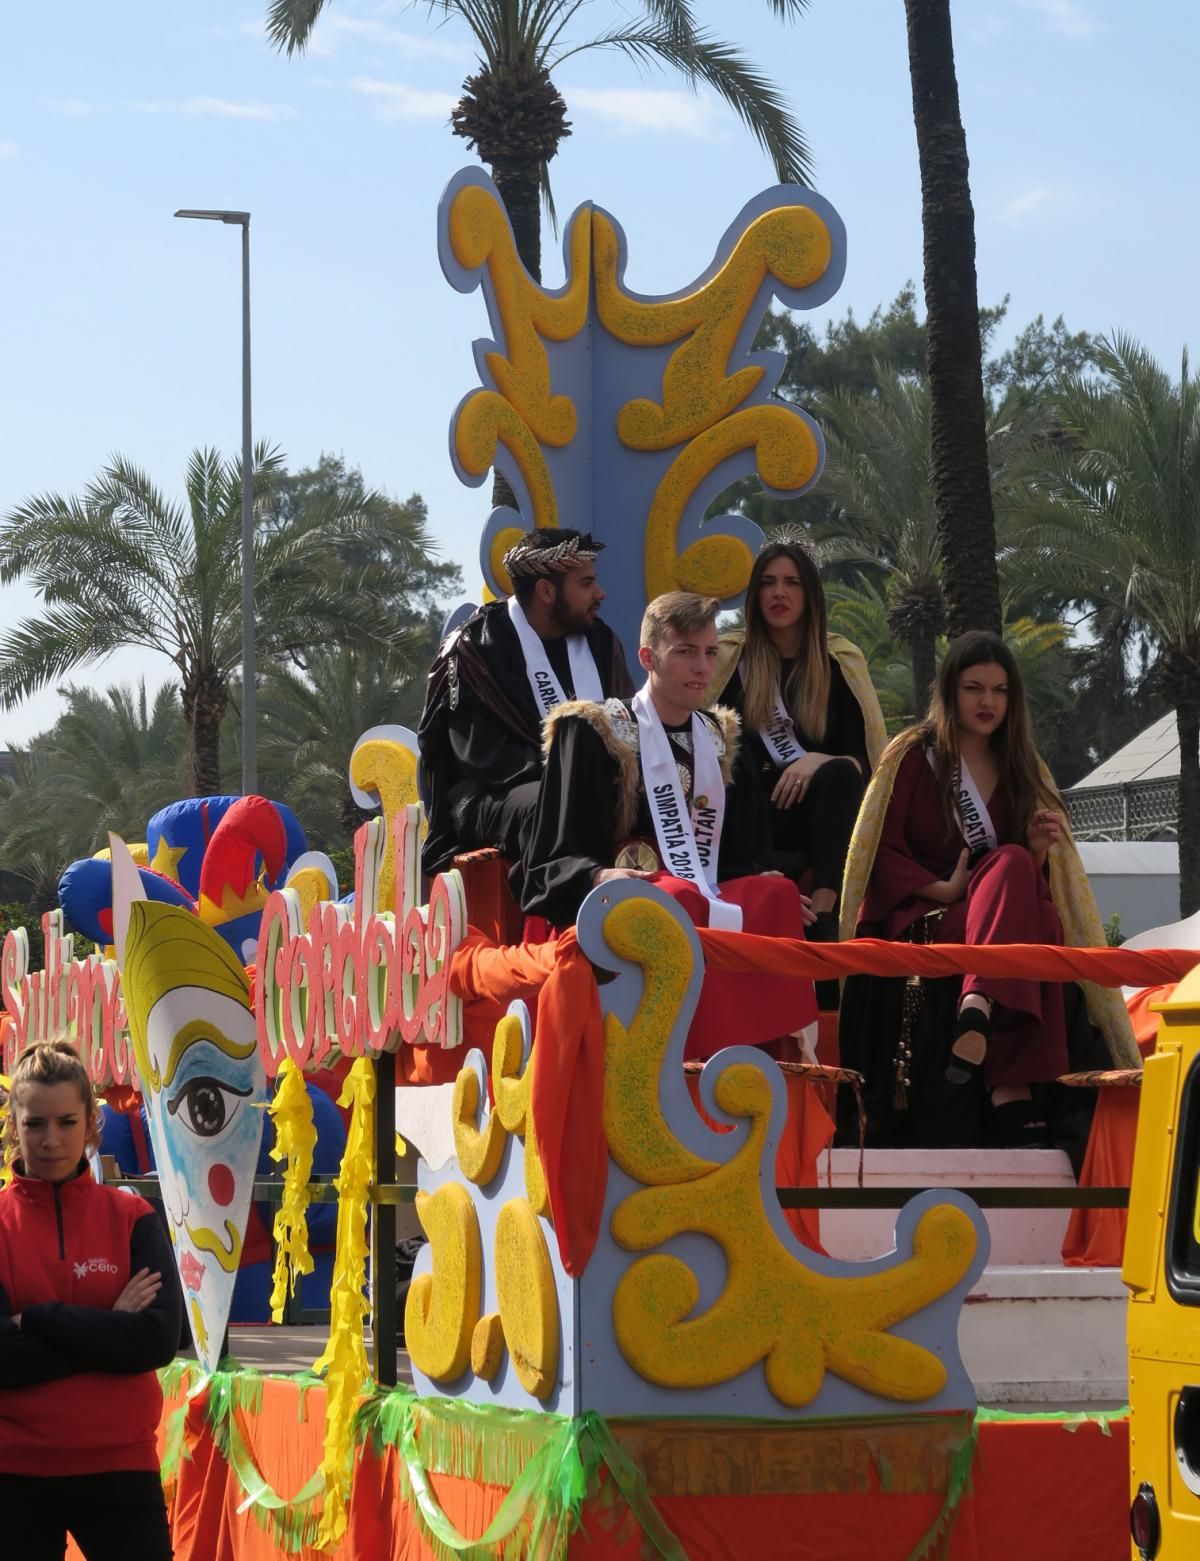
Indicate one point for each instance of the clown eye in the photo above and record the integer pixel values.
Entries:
(209, 1110)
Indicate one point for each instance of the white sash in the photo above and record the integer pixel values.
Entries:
(547, 691)
(978, 831)
(689, 842)
(779, 734)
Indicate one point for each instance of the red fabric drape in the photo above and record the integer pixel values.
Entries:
(744, 1006)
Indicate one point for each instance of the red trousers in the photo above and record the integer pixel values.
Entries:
(738, 1008)
(1008, 901)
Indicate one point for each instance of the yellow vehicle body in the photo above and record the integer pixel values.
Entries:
(1162, 1270)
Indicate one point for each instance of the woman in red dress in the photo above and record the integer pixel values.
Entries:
(957, 842)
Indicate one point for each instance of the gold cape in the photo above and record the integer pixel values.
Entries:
(1069, 887)
(854, 669)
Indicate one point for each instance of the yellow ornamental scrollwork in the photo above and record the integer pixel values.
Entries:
(787, 455)
(480, 235)
(479, 1149)
(585, 390)
(792, 244)
(513, 1091)
(639, 1139)
(528, 1298)
(386, 769)
(442, 1308)
(773, 1308)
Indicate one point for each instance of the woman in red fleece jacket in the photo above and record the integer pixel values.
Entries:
(89, 1308)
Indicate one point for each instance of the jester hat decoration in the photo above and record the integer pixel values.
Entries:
(187, 1002)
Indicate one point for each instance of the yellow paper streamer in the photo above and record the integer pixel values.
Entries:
(345, 1358)
(295, 1138)
(6, 1171)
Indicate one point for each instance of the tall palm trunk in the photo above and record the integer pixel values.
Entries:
(513, 115)
(923, 646)
(520, 189)
(350, 815)
(961, 483)
(204, 696)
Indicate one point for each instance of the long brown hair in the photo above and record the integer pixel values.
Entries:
(806, 694)
(1012, 742)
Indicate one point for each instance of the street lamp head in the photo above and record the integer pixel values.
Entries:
(241, 218)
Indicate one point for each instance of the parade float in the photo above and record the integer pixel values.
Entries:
(630, 1333)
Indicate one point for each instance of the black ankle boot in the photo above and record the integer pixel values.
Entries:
(825, 930)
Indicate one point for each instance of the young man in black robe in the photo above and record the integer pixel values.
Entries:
(658, 788)
(494, 682)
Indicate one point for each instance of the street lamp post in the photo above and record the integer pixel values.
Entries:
(249, 751)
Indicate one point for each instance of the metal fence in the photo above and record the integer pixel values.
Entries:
(1137, 810)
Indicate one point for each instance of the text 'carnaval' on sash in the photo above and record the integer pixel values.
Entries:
(547, 690)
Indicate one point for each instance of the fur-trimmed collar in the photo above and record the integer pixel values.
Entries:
(616, 727)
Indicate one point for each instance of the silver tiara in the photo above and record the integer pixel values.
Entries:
(790, 536)
(526, 558)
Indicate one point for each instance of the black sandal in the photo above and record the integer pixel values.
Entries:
(960, 1068)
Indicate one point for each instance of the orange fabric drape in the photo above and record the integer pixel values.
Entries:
(1096, 1237)
(568, 1097)
(1039, 1489)
(568, 1067)
(879, 957)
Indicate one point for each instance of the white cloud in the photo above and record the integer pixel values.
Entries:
(396, 101)
(1068, 18)
(1025, 204)
(644, 108)
(7, 149)
(219, 108)
(70, 108)
(982, 27)
(337, 24)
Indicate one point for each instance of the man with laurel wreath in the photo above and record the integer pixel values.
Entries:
(494, 682)
(658, 788)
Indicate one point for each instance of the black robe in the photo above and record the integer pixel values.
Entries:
(845, 730)
(575, 828)
(480, 728)
(813, 835)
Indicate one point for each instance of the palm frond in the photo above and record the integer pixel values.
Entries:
(701, 58)
(290, 23)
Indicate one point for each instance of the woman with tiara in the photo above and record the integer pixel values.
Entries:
(810, 715)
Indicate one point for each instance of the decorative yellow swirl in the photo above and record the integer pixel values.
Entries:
(791, 243)
(773, 1308)
(480, 235)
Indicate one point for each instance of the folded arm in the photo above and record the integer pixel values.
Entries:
(121, 1342)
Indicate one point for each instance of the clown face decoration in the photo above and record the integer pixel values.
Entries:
(188, 1006)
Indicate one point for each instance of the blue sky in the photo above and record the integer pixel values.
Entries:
(119, 327)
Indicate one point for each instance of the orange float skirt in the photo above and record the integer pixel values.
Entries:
(431, 1476)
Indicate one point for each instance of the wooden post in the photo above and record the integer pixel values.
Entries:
(383, 1250)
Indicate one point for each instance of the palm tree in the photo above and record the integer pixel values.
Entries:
(310, 722)
(962, 492)
(1116, 522)
(108, 763)
(880, 474)
(860, 612)
(513, 115)
(122, 565)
